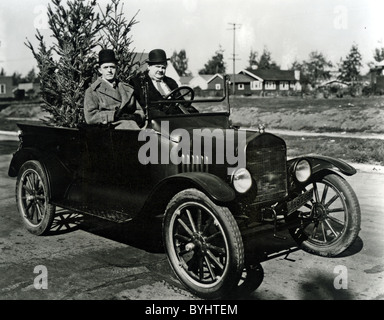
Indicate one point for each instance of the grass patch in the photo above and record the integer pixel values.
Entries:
(315, 115)
(348, 149)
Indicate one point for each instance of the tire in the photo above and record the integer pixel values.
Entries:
(32, 198)
(203, 244)
(251, 278)
(331, 221)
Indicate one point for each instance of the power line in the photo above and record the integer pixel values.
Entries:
(235, 26)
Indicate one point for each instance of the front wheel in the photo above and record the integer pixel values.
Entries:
(331, 220)
(203, 244)
(32, 198)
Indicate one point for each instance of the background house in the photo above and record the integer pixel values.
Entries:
(334, 83)
(274, 81)
(207, 84)
(377, 77)
(242, 83)
(246, 83)
(30, 90)
(200, 81)
(6, 87)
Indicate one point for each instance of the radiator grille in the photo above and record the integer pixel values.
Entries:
(194, 163)
(268, 168)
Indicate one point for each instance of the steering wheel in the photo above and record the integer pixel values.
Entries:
(178, 93)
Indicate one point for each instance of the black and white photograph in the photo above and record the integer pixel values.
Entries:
(190, 156)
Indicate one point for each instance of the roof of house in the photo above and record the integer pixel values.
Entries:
(185, 79)
(273, 74)
(242, 78)
(377, 66)
(207, 77)
(334, 82)
(6, 77)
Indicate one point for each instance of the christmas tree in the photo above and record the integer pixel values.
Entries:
(68, 65)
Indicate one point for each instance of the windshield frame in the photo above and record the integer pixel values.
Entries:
(224, 97)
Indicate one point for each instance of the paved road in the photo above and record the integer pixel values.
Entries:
(95, 260)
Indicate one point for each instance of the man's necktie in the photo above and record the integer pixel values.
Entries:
(160, 89)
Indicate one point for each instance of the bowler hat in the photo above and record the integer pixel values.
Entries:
(107, 56)
(157, 56)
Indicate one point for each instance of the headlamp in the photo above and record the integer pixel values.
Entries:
(242, 180)
(303, 170)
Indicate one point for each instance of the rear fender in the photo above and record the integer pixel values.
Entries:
(58, 176)
(20, 157)
(322, 163)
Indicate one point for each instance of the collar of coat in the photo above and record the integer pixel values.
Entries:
(104, 86)
(122, 94)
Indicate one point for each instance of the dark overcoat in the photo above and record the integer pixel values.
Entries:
(153, 94)
(102, 100)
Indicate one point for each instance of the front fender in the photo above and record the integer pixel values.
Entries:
(215, 188)
(320, 163)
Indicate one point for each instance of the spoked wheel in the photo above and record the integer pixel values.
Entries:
(331, 220)
(203, 244)
(32, 198)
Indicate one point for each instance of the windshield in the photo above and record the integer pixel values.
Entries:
(186, 101)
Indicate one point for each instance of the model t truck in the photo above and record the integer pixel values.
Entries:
(182, 168)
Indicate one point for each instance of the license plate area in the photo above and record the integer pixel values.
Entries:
(299, 201)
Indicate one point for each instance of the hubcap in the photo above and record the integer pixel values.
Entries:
(319, 212)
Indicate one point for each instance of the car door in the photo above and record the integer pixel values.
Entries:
(131, 175)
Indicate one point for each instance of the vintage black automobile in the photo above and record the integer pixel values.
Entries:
(211, 206)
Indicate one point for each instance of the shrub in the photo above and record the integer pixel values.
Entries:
(355, 90)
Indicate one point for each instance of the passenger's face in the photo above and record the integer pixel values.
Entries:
(157, 71)
(108, 71)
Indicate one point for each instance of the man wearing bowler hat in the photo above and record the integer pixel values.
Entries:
(108, 100)
(157, 83)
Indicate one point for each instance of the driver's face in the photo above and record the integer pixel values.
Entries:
(157, 71)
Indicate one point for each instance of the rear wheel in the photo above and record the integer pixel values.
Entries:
(331, 220)
(32, 198)
(203, 244)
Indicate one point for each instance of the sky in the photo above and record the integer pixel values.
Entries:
(289, 29)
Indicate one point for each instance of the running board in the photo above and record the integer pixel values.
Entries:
(106, 214)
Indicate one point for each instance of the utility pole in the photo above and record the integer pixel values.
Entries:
(235, 26)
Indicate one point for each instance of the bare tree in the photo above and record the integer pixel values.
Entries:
(316, 68)
(265, 61)
(216, 64)
(179, 61)
(252, 60)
